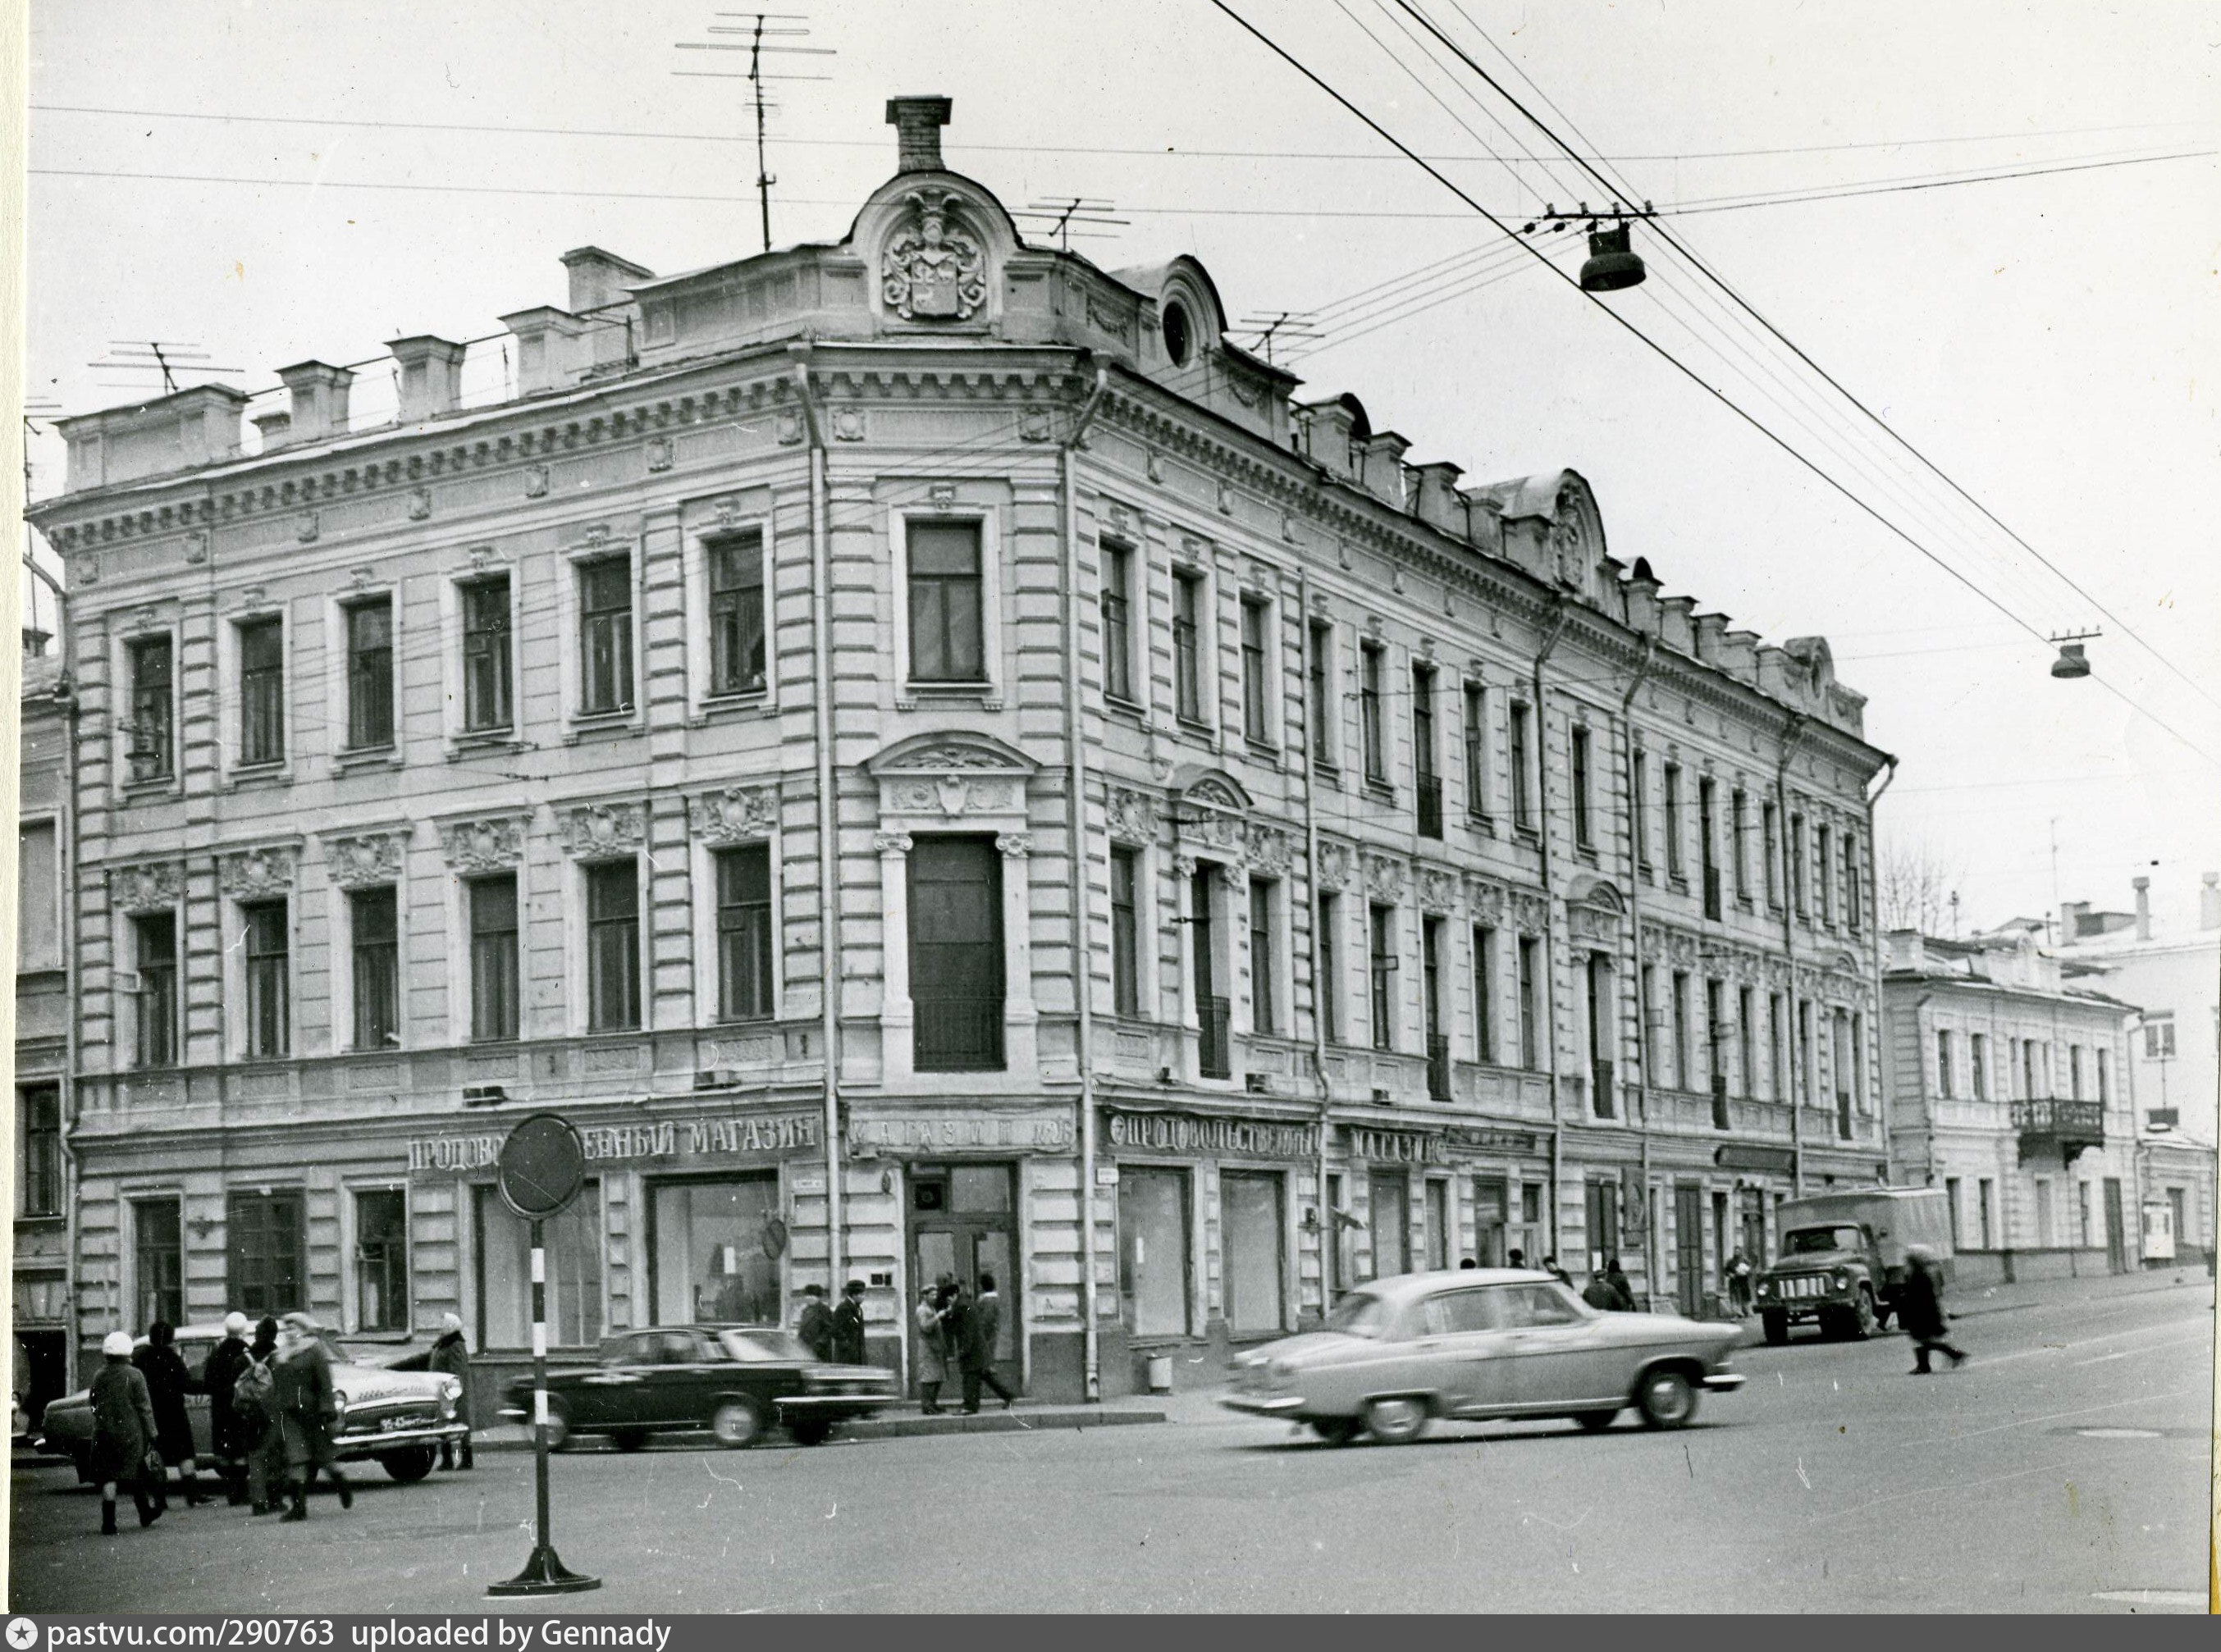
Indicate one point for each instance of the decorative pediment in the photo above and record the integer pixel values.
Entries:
(1270, 850)
(257, 874)
(1336, 863)
(1132, 816)
(605, 831)
(927, 754)
(1385, 877)
(358, 860)
(932, 270)
(1595, 911)
(1440, 889)
(153, 886)
(1506, 907)
(736, 815)
(1673, 946)
(492, 845)
(952, 776)
(1209, 788)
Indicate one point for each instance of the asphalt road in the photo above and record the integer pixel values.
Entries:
(2063, 1470)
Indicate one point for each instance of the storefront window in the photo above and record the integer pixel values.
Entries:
(709, 1254)
(1438, 1225)
(573, 1244)
(1249, 1222)
(1153, 1251)
(1391, 1226)
(1489, 1221)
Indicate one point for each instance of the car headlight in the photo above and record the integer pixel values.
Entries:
(1842, 1280)
(339, 1407)
(1765, 1288)
(451, 1392)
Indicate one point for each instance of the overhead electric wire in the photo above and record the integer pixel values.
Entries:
(1666, 237)
(1674, 362)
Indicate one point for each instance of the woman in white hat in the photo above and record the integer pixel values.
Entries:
(123, 1432)
(452, 1354)
(308, 1405)
(230, 1437)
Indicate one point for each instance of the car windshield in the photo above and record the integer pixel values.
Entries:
(1815, 1241)
(1360, 1314)
(765, 1347)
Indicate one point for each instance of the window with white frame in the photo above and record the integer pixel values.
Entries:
(260, 645)
(367, 627)
(745, 930)
(1264, 959)
(1476, 751)
(1326, 991)
(153, 938)
(490, 911)
(267, 954)
(1324, 709)
(1115, 609)
(605, 635)
(374, 958)
(1257, 674)
(488, 659)
(1190, 610)
(946, 602)
(150, 732)
(612, 902)
(733, 568)
(1125, 931)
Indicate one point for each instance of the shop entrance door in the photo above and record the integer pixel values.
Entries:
(2117, 1235)
(962, 1225)
(1689, 1250)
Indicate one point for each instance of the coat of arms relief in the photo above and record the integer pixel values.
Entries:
(931, 272)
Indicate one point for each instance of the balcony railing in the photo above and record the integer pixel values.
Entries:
(1215, 1058)
(1429, 791)
(1604, 1102)
(1720, 1120)
(958, 1035)
(1438, 1067)
(2046, 1125)
(1842, 1115)
(1712, 892)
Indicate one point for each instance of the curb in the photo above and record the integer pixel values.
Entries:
(1974, 1313)
(888, 1428)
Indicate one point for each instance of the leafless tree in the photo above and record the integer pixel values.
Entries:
(1913, 885)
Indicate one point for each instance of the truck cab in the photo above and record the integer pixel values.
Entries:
(1829, 1273)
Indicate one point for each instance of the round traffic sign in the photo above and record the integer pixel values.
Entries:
(543, 1165)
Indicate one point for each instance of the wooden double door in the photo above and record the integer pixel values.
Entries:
(963, 1225)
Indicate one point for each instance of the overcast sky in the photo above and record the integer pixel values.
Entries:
(2040, 339)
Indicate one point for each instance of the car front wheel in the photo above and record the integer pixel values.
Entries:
(1862, 1323)
(1396, 1422)
(408, 1465)
(736, 1423)
(1776, 1325)
(1596, 1421)
(559, 1426)
(1668, 1399)
(1336, 1431)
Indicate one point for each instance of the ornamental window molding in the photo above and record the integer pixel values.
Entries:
(257, 874)
(938, 782)
(360, 860)
(492, 844)
(1385, 877)
(734, 815)
(150, 886)
(1441, 890)
(1132, 817)
(605, 831)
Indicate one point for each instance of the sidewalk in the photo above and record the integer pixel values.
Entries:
(900, 1421)
(2047, 1293)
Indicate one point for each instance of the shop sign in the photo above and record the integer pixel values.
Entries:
(1188, 1132)
(1496, 1141)
(960, 1132)
(712, 1137)
(1398, 1146)
(1779, 1160)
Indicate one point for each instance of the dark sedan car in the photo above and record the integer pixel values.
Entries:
(735, 1381)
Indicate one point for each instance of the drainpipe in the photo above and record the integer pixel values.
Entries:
(1076, 827)
(828, 864)
(1927, 1106)
(1873, 921)
(1635, 927)
(1790, 736)
(1329, 1233)
(1550, 912)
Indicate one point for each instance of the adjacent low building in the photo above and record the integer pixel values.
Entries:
(938, 762)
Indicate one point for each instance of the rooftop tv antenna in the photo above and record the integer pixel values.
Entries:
(1065, 210)
(1292, 324)
(166, 356)
(759, 26)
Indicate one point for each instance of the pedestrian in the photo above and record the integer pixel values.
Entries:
(168, 1382)
(228, 1439)
(815, 1329)
(1920, 1310)
(932, 1349)
(1599, 1295)
(255, 1402)
(1617, 1277)
(848, 1324)
(1738, 1272)
(1550, 1267)
(308, 1405)
(122, 1434)
(1517, 1258)
(961, 1327)
(987, 1312)
(452, 1354)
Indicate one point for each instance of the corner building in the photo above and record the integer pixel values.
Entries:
(1441, 886)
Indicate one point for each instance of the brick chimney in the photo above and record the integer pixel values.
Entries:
(1435, 499)
(2209, 902)
(431, 376)
(2072, 916)
(918, 122)
(1380, 472)
(2143, 887)
(318, 394)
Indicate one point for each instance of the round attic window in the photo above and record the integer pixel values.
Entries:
(1179, 336)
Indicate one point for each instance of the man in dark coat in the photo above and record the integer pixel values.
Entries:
(817, 1327)
(307, 1404)
(960, 1323)
(123, 1432)
(255, 1402)
(1920, 1310)
(168, 1382)
(1601, 1295)
(1616, 1276)
(988, 1314)
(848, 1324)
(227, 1438)
(451, 1356)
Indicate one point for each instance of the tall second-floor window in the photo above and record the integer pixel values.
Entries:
(150, 744)
(375, 941)
(1264, 998)
(1738, 850)
(1428, 782)
(1943, 1064)
(612, 946)
(744, 933)
(262, 691)
(485, 654)
(1381, 961)
(1674, 867)
(1484, 993)
(1638, 806)
(1321, 669)
(1522, 806)
(154, 947)
(267, 953)
(1978, 1054)
(1797, 863)
(1187, 646)
(2074, 1072)
(947, 603)
(1256, 673)
(1327, 990)
(1125, 932)
(1772, 848)
(1476, 750)
(1583, 832)
(494, 971)
(1530, 1003)
(1680, 1008)
(1370, 663)
(605, 636)
(738, 661)
(956, 962)
(1115, 607)
(1823, 863)
(1853, 912)
(370, 673)
(38, 1152)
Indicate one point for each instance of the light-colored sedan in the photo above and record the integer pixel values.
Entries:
(1481, 1343)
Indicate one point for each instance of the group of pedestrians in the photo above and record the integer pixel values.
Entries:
(834, 1335)
(272, 1414)
(955, 1326)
